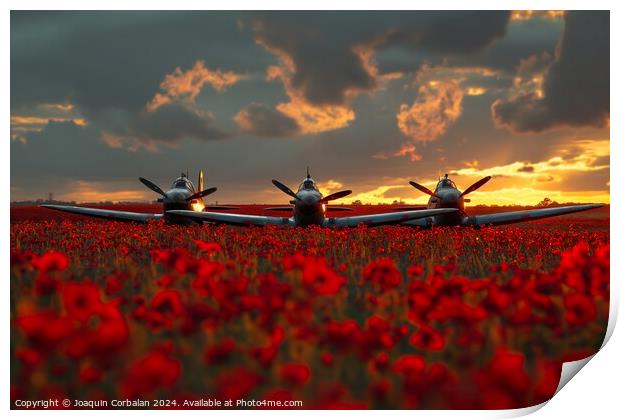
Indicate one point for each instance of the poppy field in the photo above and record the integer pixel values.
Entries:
(386, 318)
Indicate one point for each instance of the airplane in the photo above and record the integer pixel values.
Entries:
(448, 196)
(181, 196)
(309, 207)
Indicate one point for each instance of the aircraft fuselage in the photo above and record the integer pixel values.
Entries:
(308, 210)
(448, 198)
(176, 199)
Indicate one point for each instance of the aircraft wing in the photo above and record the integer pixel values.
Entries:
(525, 215)
(106, 214)
(222, 207)
(384, 218)
(338, 208)
(289, 208)
(407, 208)
(235, 219)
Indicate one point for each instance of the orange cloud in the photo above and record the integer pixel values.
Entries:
(475, 91)
(130, 143)
(62, 107)
(309, 117)
(514, 183)
(22, 125)
(330, 186)
(531, 14)
(577, 156)
(18, 120)
(525, 196)
(436, 108)
(40, 115)
(408, 150)
(379, 194)
(112, 141)
(438, 104)
(329, 115)
(317, 119)
(366, 54)
(186, 85)
(313, 118)
(92, 192)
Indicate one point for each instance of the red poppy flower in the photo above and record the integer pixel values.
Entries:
(81, 300)
(322, 279)
(51, 260)
(28, 356)
(295, 373)
(168, 302)
(236, 383)
(580, 310)
(382, 274)
(156, 370)
(45, 328)
(507, 370)
(221, 351)
(548, 378)
(208, 247)
(90, 374)
(408, 365)
(327, 358)
(427, 338)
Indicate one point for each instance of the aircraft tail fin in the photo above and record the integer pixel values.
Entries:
(200, 180)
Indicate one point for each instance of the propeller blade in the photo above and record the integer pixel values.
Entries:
(223, 208)
(422, 188)
(338, 208)
(284, 189)
(289, 208)
(476, 185)
(152, 186)
(335, 196)
(202, 193)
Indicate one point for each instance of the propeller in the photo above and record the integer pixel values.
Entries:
(476, 185)
(423, 189)
(335, 196)
(202, 193)
(285, 189)
(152, 186)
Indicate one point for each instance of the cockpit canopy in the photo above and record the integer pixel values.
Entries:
(183, 183)
(308, 184)
(446, 183)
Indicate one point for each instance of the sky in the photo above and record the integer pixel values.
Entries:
(368, 100)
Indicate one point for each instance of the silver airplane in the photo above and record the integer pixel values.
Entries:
(309, 207)
(181, 196)
(447, 196)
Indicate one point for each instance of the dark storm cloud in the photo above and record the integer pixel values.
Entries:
(112, 63)
(448, 32)
(576, 86)
(264, 121)
(63, 149)
(329, 52)
(174, 122)
(104, 60)
(526, 168)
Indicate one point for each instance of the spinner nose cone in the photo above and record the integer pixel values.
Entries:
(175, 196)
(309, 198)
(450, 199)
